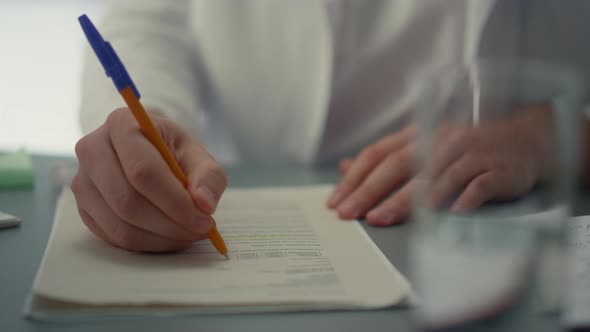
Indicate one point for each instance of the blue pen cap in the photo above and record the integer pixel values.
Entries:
(107, 56)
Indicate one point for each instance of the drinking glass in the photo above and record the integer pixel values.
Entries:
(497, 140)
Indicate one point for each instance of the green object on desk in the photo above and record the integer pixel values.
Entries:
(16, 170)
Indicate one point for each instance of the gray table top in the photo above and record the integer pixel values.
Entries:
(21, 250)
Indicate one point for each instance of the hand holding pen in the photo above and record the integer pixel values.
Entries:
(130, 187)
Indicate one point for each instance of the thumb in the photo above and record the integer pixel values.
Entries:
(206, 179)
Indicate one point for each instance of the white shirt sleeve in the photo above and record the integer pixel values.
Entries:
(154, 41)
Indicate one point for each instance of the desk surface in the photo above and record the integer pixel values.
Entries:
(21, 250)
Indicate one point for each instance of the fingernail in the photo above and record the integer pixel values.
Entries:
(335, 198)
(208, 197)
(380, 216)
(348, 209)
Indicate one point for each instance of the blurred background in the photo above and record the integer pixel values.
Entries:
(41, 47)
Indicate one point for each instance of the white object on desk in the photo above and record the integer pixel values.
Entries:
(7, 220)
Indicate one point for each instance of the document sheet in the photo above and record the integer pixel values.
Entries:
(577, 295)
(286, 251)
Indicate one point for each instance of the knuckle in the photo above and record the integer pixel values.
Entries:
(367, 195)
(346, 186)
(461, 136)
(384, 141)
(395, 203)
(402, 158)
(122, 236)
(392, 160)
(116, 117)
(182, 211)
(140, 171)
(498, 165)
(126, 204)
(218, 172)
(349, 183)
(392, 203)
(83, 148)
(372, 154)
(405, 198)
(455, 176)
(401, 205)
(88, 222)
(76, 185)
(482, 184)
(85, 218)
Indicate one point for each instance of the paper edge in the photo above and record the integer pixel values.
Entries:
(33, 312)
(409, 297)
(36, 281)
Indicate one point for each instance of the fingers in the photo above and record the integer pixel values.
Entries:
(367, 160)
(102, 165)
(481, 189)
(91, 224)
(146, 217)
(450, 145)
(465, 161)
(344, 165)
(147, 173)
(387, 176)
(455, 177)
(126, 193)
(207, 180)
(363, 165)
(395, 209)
(115, 230)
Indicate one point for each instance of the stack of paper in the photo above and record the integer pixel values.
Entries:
(287, 252)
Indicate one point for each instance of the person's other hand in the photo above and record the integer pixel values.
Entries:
(500, 160)
(127, 195)
(375, 173)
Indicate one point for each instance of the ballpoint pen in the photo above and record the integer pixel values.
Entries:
(115, 69)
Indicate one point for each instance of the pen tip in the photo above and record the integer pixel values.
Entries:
(226, 257)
